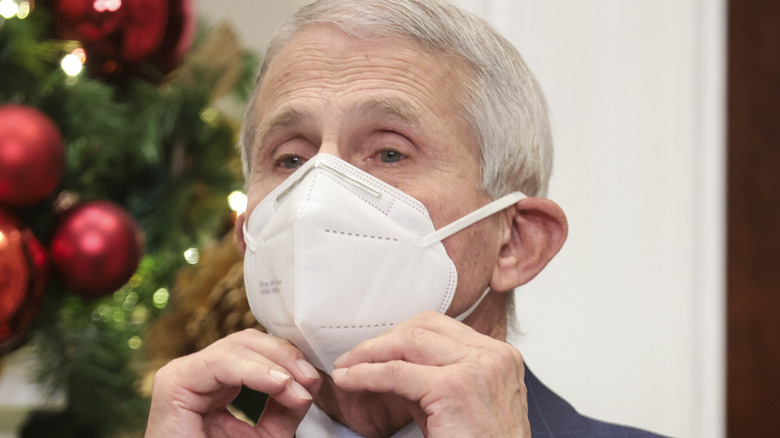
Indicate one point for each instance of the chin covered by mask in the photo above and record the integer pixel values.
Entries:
(336, 256)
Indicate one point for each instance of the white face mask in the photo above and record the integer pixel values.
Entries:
(336, 256)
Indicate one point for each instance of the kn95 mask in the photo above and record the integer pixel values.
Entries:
(336, 256)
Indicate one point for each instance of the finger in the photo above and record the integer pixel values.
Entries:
(409, 380)
(413, 344)
(224, 424)
(418, 414)
(210, 379)
(192, 388)
(278, 420)
(277, 350)
(260, 374)
(231, 367)
(438, 323)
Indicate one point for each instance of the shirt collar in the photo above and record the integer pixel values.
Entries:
(318, 424)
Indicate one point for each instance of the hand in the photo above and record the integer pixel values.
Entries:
(191, 393)
(462, 383)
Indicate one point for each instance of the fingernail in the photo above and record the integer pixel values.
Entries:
(338, 373)
(279, 376)
(300, 391)
(307, 370)
(340, 358)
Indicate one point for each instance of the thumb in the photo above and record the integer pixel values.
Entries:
(278, 420)
(419, 415)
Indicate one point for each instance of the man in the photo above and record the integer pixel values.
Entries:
(374, 121)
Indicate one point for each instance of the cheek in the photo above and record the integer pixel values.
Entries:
(474, 251)
(257, 190)
(472, 247)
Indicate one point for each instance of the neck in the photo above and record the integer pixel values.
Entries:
(376, 415)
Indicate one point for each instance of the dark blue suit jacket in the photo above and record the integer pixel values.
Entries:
(552, 417)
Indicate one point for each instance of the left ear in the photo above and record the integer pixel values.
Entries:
(534, 231)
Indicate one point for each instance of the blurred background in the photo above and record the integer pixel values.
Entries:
(661, 310)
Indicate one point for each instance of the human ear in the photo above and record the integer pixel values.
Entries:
(238, 229)
(534, 230)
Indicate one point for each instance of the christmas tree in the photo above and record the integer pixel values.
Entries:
(118, 127)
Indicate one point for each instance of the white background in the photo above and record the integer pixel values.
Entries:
(627, 323)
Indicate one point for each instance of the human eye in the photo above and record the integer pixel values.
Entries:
(390, 156)
(388, 147)
(290, 161)
(292, 153)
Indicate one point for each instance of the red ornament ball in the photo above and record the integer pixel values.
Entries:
(96, 248)
(118, 35)
(32, 156)
(23, 275)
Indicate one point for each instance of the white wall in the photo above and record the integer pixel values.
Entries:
(254, 20)
(627, 323)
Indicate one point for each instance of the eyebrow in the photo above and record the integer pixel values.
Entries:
(389, 107)
(382, 107)
(286, 118)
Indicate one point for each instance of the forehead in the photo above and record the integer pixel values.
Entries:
(321, 61)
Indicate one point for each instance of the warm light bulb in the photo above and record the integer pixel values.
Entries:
(71, 64)
(192, 256)
(8, 8)
(134, 343)
(79, 53)
(209, 115)
(24, 10)
(107, 5)
(160, 298)
(237, 202)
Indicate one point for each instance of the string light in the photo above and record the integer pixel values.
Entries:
(192, 255)
(73, 63)
(24, 10)
(160, 298)
(135, 280)
(118, 315)
(134, 343)
(209, 115)
(107, 5)
(8, 8)
(237, 202)
(140, 314)
(130, 301)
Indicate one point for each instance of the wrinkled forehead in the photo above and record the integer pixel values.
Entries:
(287, 34)
(354, 28)
(444, 78)
(333, 57)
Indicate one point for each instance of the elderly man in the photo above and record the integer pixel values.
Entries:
(388, 150)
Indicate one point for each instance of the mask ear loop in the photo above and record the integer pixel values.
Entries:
(251, 243)
(473, 307)
(470, 219)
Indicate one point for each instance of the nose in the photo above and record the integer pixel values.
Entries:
(331, 147)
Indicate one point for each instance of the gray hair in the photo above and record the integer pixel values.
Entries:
(502, 104)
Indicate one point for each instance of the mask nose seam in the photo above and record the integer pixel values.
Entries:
(324, 165)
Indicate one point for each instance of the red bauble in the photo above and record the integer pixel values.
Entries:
(96, 248)
(23, 275)
(119, 35)
(32, 156)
